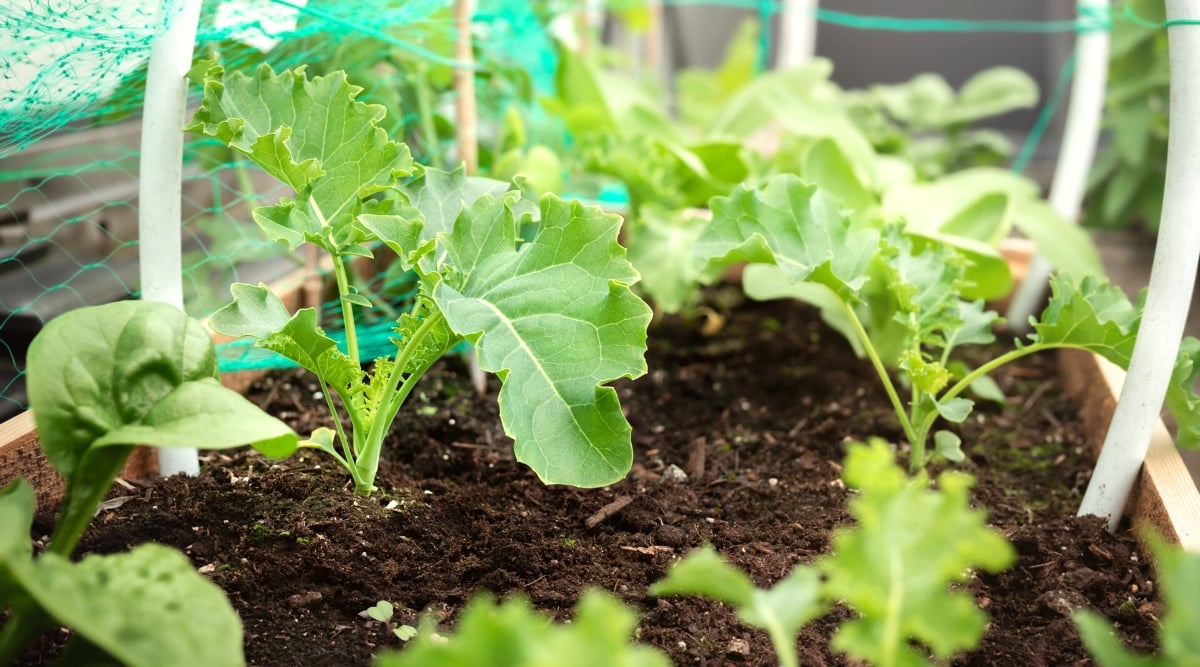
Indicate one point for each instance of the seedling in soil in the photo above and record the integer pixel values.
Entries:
(102, 379)
(894, 568)
(382, 612)
(897, 299)
(541, 289)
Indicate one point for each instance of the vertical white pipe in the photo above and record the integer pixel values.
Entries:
(160, 181)
(1084, 111)
(1172, 278)
(797, 33)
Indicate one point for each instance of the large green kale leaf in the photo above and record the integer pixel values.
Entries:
(555, 318)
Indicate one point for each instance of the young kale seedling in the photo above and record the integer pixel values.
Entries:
(897, 299)
(894, 568)
(101, 380)
(550, 312)
(383, 612)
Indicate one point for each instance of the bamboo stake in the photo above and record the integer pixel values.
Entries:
(654, 39)
(467, 130)
(464, 86)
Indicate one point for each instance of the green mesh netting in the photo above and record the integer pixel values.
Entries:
(71, 91)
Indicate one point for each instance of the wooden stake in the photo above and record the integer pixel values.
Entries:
(654, 39)
(467, 130)
(464, 85)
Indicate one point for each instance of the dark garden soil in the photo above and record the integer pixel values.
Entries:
(756, 418)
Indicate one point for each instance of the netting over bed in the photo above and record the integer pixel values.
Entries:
(71, 91)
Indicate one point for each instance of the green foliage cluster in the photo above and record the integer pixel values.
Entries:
(907, 301)
(905, 151)
(512, 634)
(1126, 183)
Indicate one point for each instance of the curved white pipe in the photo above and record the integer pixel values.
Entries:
(161, 180)
(1172, 278)
(797, 33)
(1084, 111)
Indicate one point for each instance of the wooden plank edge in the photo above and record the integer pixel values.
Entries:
(1166, 498)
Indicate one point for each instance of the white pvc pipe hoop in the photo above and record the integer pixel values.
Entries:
(160, 176)
(1084, 111)
(797, 33)
(1172, 278)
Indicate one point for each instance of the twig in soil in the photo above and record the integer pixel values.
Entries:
(1036, 395)
(697, 453)
(608, 510)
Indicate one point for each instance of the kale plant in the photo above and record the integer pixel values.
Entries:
(541, 289)
(898, 298)
(894, 568)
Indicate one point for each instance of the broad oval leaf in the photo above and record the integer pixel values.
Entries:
(556, 320)
(97, 370)
(146, 608)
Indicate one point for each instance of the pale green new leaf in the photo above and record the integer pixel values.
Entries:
(556, 320)
(309, 133)
(992, 92)
(781, 610)
(1066, 245)
(949, 446)
(705, 572)
(660, 248)
(794, 226)
(896, 565)
(258, 313)
(827, 167)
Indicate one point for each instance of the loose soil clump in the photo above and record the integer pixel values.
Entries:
(738, 441)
